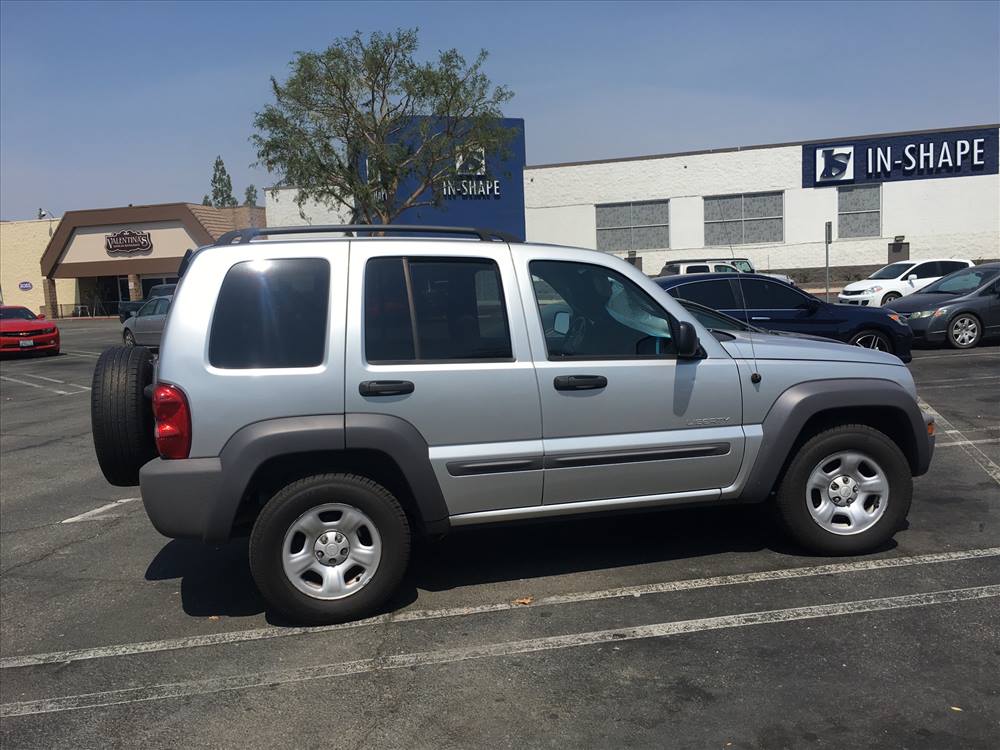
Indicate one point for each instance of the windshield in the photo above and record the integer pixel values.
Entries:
(743, 265)
(962, 282)
(16, 313)
(892, 271)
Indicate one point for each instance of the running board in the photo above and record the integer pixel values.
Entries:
(585, 506)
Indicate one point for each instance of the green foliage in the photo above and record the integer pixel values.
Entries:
(371, 98)
(222, 186)
(250, 196)
(206, 201)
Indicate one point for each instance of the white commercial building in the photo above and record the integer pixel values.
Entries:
(916, 194)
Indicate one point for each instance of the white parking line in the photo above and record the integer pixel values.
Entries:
(82, 354)
(42, 377)
(487, 651)
(922, 383)
(968, 442)
(957, 356)
(258, 634)
(94, 515)
(976, 454)
(50, 389)
(34, 385)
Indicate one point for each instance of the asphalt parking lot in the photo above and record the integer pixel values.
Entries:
(699, 628)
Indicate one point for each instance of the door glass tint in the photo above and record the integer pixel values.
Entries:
(926, 270)
(697, 269)
(770, 295)
(608, 314)
(715, 294)
(724, 269)
(148, 309)
(950, 266)
(456, 310)
(271, 313)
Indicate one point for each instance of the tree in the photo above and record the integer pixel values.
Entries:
(207, 200)
(366, 127)
(222, 186)
(250, 196)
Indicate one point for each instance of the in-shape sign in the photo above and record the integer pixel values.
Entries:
(915, 156)
(128, 242)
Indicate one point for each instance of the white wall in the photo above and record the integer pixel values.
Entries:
(956, 216)
(283, 212)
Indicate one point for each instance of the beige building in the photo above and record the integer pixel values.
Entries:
(89, 261)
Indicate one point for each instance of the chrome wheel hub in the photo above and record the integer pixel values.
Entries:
(331, 551)
(964, 330)
(847, 493)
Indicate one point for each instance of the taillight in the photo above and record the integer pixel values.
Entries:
(173, 421)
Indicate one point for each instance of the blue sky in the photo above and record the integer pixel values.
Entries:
(106, 104)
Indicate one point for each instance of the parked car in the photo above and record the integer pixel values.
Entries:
(127, 309)
(963, 308)
(897, 280)
(145, 326)
(770, 304)
(743, 265)
(717, 322)
(336, 397)
(23, 331)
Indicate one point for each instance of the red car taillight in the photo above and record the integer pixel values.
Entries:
(173, 421)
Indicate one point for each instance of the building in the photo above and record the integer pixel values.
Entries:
(90, 260)
(887, 197)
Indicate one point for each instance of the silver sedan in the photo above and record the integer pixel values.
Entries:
(145, 326)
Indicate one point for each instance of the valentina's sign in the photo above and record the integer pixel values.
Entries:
(955, 153)
(128, 242)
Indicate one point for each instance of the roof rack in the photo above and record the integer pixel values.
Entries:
(243, 236)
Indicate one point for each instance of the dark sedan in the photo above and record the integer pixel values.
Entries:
(777, 306)
(961, 308)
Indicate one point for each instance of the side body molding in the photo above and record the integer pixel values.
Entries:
(795, 406)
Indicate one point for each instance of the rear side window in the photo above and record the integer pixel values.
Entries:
(271, 313)
(697, 269)
(950, 266)
(434, 309)
(926, 270)
(715, 294)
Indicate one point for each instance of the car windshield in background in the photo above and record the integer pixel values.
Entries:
(892, 271)
(962, 282)
(16, 313)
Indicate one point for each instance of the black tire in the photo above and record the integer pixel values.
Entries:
(791, 500)
(128, 338)
(121, 417)
(953, 331)
(869, 339)
(282, 510)
(890, 297)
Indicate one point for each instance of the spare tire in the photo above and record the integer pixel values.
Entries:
(121, 416)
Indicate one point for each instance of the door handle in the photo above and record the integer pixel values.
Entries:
(579, 382)
(759, 317)
(385, 387)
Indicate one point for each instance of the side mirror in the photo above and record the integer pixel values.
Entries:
(687, 341)
(911, 277)
(41, 316)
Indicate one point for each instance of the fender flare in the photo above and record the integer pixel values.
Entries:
(797, 405)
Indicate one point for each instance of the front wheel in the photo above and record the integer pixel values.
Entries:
(964, 331)
(846, 492)
(330, 548)
(873, 340)
(890, 297)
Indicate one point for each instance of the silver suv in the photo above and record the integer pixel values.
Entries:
(336, 396)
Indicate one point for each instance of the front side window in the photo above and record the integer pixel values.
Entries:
(771, 295)
(642, 225)
(744, 219)
(599, 313)
(271, 313)
(148, 309)
(434, 310)
(859, 211)
(723, 268)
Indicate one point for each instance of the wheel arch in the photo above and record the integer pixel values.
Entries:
(807, 409)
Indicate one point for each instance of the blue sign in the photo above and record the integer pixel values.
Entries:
(487, 192)
(921, 156)
(25, 286)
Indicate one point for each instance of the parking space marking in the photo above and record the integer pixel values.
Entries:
(492, 650)
(922, 384)
(968, 442)
(94, 515)
(258, 634)
(956, 356)
(976, 454)
(34, 385)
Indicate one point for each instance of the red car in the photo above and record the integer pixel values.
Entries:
(23, 331)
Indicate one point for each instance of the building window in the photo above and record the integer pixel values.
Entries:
(644, 225)
(746, 219)
(859, 211)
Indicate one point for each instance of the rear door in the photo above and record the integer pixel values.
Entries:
(621, 416)
(443, 320)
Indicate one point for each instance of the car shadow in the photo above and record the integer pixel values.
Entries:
(216, 580)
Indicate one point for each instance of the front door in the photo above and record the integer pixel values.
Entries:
(621, 416)
(438, 340)
(777, 306)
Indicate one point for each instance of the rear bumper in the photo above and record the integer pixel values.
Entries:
(180, 497)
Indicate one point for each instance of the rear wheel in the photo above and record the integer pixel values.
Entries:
(964, 331)
(121, 416)
(846, 492)
(873, 340)
(891, 296)
(330, 548)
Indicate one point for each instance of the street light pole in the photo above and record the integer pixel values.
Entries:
(829, 238)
